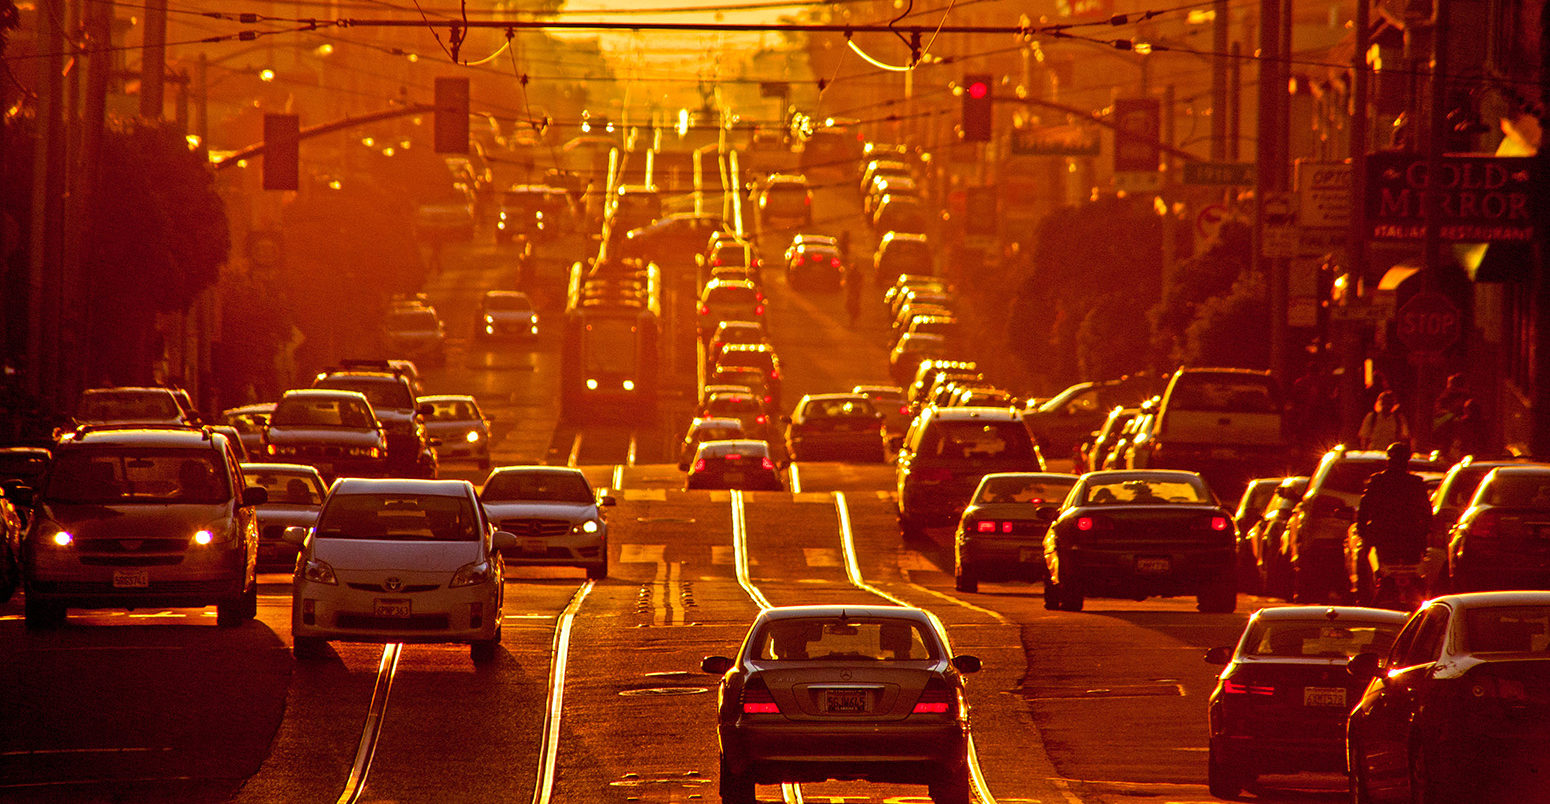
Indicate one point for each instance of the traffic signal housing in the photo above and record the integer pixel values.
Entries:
(451, 135)
(977, 112)
(282, 147)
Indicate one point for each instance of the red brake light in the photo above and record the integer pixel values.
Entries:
(834, 261)
(761, 418)
(704, 310)
(733, 456)
(1006, 527)
(715, 262)
(935, 699)
(1220, 523)
(817, 258)
(808, 200)
(758, 310)
(1092, 523)
(985, 526)
(699, 465)
(1084, 523)
(904, 410)
(1237, 688)
(768, 464)
(757, 700)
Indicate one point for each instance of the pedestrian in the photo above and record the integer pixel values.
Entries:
(1384, 424)
(1446, 412)
(1469, 436)
(1394, 515)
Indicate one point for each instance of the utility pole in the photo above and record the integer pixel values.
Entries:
(1219, 68)
(1351, 412)
(153, 62)
(1272, 166)
(1235, 98)
(1432, 258)
(48, 190)
(1539, 381)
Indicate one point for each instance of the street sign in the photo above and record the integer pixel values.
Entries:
(1208, 222)
(774, 89)
(1476, 199)
(1429, 322)
(1068, 140)
(1138, 181)
(1137, 123)
(1324, 195)
(1223, 174)
(1278, 230)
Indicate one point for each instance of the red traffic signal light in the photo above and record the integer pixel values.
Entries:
(977, 116)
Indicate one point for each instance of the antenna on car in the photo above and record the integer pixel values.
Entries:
(1332, 614)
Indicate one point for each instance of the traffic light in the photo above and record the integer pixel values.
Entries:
(451, 116)
(282, 146)
(977, 114)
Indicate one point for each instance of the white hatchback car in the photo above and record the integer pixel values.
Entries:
(553, 514)
(399, 561)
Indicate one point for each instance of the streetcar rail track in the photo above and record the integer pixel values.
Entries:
(366, 748)
(550, 743)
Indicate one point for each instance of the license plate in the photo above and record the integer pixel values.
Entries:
(536, 546)
(391, 608)
(1323, 696)
(1153, 565)
(1027, 555)
(131, 579)
(732, 477)
(844, 702)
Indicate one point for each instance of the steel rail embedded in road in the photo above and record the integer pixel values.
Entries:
(550, 745)
(367, 747)
(796, 478)
(740, 552)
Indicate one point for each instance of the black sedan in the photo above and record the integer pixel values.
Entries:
(1459, 708)
(743, 465)
(1502, 540)
(1001, 535)
(844, 692)
(1280, 705)
(1137, 534)
(836, 427)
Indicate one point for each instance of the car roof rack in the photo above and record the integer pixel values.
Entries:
(107, 427)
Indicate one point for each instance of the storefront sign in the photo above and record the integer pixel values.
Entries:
(1475, 199)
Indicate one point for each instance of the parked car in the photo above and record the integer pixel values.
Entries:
(295, 493)
(1253, 503)
(1095, 452)
(841, 427)
(822, 692)
(1449, 501)
(22, 467)
(888, 400)
(1135, 534)
(743, 464)
(1001, 535)
(707, 429)
(507, 314)
(1272, 554)
(418, 334)
(1459, 708)
(1281, 701)
(459, 427)
(134, 518)
(945, 454)
(555, 516)
(1502, 540)
(1060, 423)
(399, 561)
(334, 431)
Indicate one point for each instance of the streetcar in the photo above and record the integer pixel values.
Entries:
(611, 348)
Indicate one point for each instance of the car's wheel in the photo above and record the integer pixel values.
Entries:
(953, 786)
(1051, 595)
(229, 613)
(1071, 597)
(40, 615)
(1219, 598)
(483, 651)
(964, 578)
(600, 571)
(736, 788)
(1224, 780)
(1248, 571)
(309, 647)
(250, 601)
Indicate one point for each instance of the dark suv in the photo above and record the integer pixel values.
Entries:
(945, 454)
(392, 397)
(139, 516)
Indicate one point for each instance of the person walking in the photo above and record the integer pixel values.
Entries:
(1393, 517)
(1384, 424)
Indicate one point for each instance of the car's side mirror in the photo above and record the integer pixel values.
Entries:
(294, 534)
(683, 466)
(607, 500)
(504, 540)
(966, 663)
(254, 495)
(1364, 666)
(425, 410)
(716, 665)
(433, 442)
(1046, 513)
(19, 494)
(1221, 655)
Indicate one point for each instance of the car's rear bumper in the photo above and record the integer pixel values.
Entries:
(892, 751)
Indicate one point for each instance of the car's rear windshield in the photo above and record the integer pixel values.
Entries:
(127, 406)
(1224, 394)
(856, 408)
(970, 439)
(1349, 476)
(1507, 629)
(288, 488)
(383, 393)
(139, 475)
(452, 410)
(1135, 491)
(567, 487)
(412, 320)
(719, 432)
(842, 640)
(746, 357)
(786, 199)
(301, 411)
(1013, 489)
(398, 517)
(1517, 489)
(1318, 638)
(732, 405)
(731, 295)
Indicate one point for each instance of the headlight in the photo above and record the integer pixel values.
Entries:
(489, 319)
(591, 384)
(203, 537)
(589, 526)
(59, 538)
(629, 385)
(319, 572)
(473, 436)
(472, 574)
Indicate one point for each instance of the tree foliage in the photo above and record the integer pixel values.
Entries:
(1232, 329)
(1196, 280)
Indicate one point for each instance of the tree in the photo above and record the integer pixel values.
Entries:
(1233, 329)
(1198, 279)
(158, 237)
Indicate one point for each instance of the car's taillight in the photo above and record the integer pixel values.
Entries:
(715, 262)
(1237, 688)
(1485, 525)
(817, 258)
(758, 309)
(904, 410)
(761, 418)
(935, 699)
(732, 456)
(1220, 523)
(757, 699)
(699, 465)
(834, 261)
(704, 310)
(985, 526)
(769, 465)
(774, 374)
(1088, 524)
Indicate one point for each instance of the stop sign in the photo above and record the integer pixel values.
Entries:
(1429, 322)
